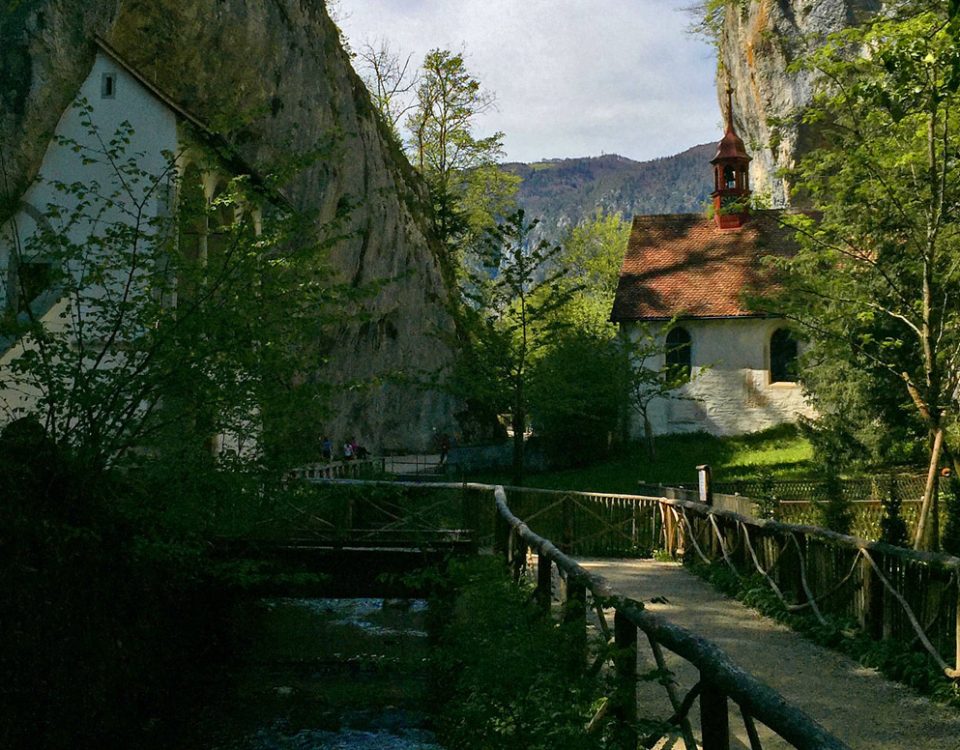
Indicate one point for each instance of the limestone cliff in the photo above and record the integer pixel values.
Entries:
(271, 75)
(758, 40)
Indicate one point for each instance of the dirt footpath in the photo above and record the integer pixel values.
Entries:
(856, 704)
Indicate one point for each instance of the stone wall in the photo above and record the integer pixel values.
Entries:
(731, 392)
(273, 77)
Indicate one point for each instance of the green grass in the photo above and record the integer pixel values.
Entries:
(781, 452)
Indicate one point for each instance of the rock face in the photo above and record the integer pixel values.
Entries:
(759, 39)
(273, 77)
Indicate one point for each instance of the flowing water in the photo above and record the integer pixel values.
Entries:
(326, 674)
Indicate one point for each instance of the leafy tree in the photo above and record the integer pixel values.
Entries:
(513, 318)
(169, 330)
(577, 393)
(647, 384)
(833, 509)
(457, 165)
(893, 529)
(878, 266)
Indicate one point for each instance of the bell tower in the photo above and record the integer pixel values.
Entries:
(731, 177)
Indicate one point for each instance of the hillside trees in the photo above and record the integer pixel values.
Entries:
(877, 279)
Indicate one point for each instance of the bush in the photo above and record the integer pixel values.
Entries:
(500, 676)
(105, 620)
(893, 529)
(577, 398)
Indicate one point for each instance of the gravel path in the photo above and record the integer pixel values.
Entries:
(856, 704)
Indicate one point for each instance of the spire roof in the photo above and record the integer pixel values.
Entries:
(730, 146)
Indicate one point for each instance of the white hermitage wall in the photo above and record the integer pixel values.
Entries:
(115, 97)
(733, 389)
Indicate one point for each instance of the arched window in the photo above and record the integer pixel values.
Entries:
(783, 357)
(678, 352)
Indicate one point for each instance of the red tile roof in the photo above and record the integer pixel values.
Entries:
(683, 265)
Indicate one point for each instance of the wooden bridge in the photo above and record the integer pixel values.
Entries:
(893, 593)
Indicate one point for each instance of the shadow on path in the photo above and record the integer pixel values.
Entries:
(856, 704)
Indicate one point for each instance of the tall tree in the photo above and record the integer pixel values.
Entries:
(442, 143)
(877, 277)
(512, 315)
(391, 81)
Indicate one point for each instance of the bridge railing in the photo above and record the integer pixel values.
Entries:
(720, 680)
(892, 592)
(356, 469)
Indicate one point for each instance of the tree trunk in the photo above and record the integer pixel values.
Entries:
(648, 438)
(927, 525)
(519, 426)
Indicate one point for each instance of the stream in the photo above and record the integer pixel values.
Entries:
(326, 674)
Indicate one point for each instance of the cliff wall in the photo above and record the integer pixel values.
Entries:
(272, 76)
(758, 40)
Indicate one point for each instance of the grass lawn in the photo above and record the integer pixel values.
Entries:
(780, 451)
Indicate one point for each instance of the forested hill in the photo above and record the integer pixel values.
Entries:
(564, 192)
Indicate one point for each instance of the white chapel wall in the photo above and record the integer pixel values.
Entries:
(731, 384)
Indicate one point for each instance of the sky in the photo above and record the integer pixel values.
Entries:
(571, 77)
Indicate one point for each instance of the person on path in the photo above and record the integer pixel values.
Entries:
(326, 449)
(444, 448)
(348, 450)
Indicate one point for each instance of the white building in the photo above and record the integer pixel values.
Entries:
(164, 154)
(683, 280)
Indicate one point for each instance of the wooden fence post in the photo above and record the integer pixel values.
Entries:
(871, 618)
(501, 535)
(575, 623)
(566, 542)
(470, 515)
(516, 555)
(956, 661)
(544, 582)
(625, 661)
(714, 721)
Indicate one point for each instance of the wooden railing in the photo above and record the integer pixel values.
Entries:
(720, 680)
(892, 592)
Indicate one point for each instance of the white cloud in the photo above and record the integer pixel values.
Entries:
(571, 77)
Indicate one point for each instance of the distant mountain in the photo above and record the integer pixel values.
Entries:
(564, 192)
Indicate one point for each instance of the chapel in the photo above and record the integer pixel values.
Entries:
(686, 280)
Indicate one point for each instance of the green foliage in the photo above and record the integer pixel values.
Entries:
(467, 191)
(872, 278)
(513, 300)
(950, 497)
(177, 329)
(833, 509)
(781, 451)
(107, 619)
(893, 529)
(576, 396)
(501, 681)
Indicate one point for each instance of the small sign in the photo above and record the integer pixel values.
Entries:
(706, 495)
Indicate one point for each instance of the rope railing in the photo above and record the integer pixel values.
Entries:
(720, 679)
(930, 579)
